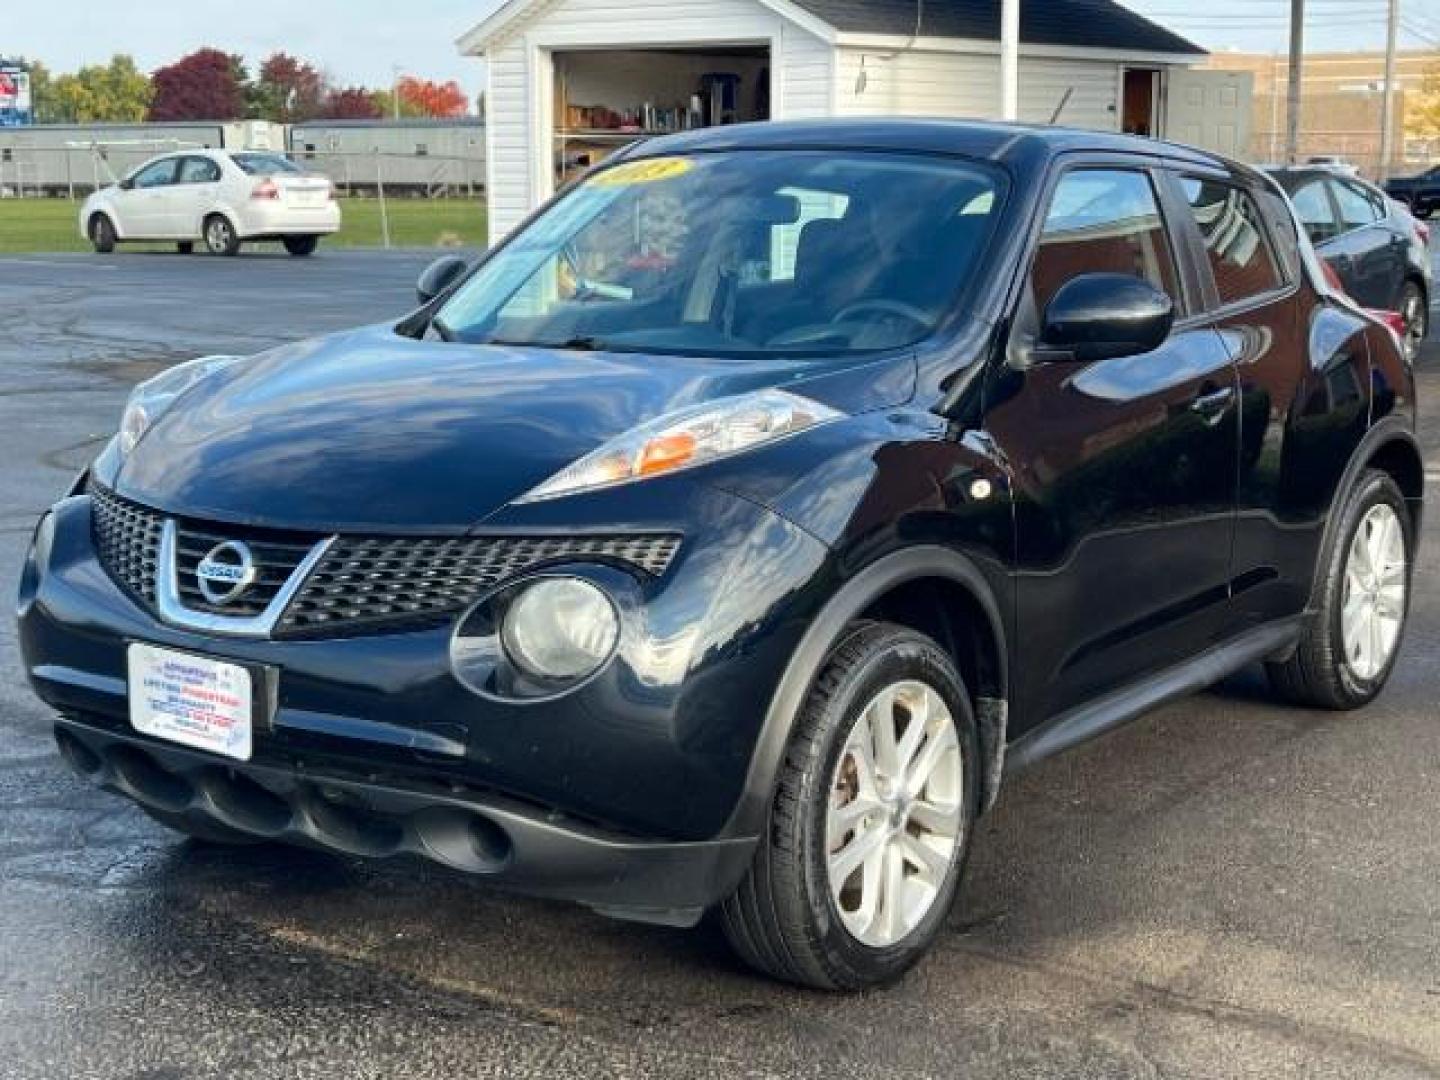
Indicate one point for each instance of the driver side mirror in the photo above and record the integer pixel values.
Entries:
(1103, 316)
(439, 276)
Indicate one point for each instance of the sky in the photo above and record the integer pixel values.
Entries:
(362, 41)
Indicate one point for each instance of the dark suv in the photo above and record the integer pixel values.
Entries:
(725, 536)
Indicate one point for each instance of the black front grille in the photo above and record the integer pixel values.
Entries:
(275, 562)
(127, 539)
(363, 584)
(388, 580)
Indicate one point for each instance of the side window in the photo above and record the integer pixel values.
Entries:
(156, 174)
(1312, 205)
(198, 170)
(1234, 239)
(1102, 220)
(1356, 209)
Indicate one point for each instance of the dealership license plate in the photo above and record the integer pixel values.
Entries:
(191, 700)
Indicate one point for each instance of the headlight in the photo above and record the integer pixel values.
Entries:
(685, 439)
(559, 629)
(153, 396)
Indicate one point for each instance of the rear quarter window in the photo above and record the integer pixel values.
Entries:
(1235, 239)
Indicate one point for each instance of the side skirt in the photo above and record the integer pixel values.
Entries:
(1084, 723)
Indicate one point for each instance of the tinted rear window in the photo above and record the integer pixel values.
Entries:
(265, 164)
(1234, 236)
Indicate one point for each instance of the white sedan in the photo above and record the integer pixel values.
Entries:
(219, 197)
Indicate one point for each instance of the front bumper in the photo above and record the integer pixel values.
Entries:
(601, 793)
(662, 882)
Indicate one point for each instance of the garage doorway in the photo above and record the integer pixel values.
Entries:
(608, 98)
(1140, 109)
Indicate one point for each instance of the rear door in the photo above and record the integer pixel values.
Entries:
(1125, 469)
(1368, 256)
(196, 185)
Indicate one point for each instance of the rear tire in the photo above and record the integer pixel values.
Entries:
(1415, 311)
(203, 831)
(1348, 648)
(851, 883)
(102, 234)
(220, 235)
(301, 245)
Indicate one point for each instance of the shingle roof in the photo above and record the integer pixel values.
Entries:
(1094, 24)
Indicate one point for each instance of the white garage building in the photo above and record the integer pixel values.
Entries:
(571, 80)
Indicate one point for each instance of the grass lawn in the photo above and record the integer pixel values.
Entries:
(50, 224)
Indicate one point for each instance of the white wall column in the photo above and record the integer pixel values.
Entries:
(1010, 60)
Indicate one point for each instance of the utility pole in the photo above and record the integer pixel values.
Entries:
(1010, 60)
(1387, 108)
(1292, 97)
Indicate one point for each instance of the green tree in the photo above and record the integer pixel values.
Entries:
(116, 92)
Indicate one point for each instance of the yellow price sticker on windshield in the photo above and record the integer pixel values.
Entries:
(643, 172)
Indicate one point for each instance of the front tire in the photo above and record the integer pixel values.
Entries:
(301, 245)
(1348, 648)
(102, 234)
(220, 236)
(871, 821)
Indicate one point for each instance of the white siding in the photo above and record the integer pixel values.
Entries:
(960, 84)
(507, 135)
(1094, 104)
(914, 83)
(802, 74)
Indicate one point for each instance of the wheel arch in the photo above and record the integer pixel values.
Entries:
(915, 587)
(1390, 446)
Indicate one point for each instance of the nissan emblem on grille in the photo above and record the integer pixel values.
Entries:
(226, 572)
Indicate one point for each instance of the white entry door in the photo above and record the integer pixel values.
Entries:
(1209, 109)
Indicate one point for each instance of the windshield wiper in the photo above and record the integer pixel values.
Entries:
(579, 343)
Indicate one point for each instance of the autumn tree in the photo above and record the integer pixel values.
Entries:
(117, 92)
(1422, 108)
(205, 85)
(287, 90)
(425, 97)
(350, 103)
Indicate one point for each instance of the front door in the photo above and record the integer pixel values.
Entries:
(1125, 469)
(143, 206)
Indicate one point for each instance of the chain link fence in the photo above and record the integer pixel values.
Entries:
(73, 172)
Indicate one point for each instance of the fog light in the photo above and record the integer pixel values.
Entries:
(559, 629)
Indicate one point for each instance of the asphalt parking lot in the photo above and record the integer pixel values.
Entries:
(1225, 888)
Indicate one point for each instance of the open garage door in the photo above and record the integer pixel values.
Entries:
(608, 98)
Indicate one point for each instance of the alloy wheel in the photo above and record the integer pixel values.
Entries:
(895, 813)
(217, 234)
(1417, 323)
(1373, 605)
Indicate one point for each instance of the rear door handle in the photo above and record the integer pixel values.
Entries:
(1211, 404)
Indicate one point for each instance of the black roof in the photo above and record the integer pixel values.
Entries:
(1093, 24)
(967, 138)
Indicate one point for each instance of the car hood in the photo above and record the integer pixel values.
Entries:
(370, 429)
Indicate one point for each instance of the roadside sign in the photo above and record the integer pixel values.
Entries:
(16, 108)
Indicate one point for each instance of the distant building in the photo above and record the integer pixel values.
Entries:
(1342, 99)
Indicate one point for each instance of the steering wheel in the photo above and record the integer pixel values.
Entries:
(884, 307)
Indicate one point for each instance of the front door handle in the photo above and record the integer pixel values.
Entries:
(1212, 404)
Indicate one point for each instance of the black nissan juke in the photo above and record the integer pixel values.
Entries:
(724, 538)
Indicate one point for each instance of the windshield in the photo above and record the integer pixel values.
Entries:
(265, 164)
(739, 253)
